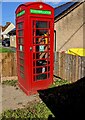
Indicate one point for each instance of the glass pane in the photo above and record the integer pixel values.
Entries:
(41, 62)
(42, 24)
(41, 70)
(21, 47)
(41, 77)
(42, 55)
(21, 68)
(20, 33)
(21, 61)
(21, 54)
(20, 25)
(42, 40)
(41, 48)
(40, 32)
(20, 40)
(22, 75)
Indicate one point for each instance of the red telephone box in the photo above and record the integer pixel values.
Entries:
(34, 36)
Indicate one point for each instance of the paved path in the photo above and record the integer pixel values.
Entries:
(14, 97)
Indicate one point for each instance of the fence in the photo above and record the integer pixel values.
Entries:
(69, 67)
(9, 66)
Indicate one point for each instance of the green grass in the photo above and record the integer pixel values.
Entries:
(37, 111)
(59, 82)
(4, 50)
(10, 82)
(34, 110)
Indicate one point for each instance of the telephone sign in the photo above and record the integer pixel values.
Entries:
(41, 48)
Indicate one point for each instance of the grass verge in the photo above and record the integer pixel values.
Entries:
(4, 50)
(10, 82)
(38, 111)
(59, 82)
(35, 110)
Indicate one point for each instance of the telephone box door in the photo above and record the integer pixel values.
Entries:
(42, 52)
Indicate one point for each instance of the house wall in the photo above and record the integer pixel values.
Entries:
(69, 30)
(5, 36)
(8, 28)
(13, 41)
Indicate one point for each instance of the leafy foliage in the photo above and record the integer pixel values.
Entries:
(10, 82)
(38, 111)
(59, 82)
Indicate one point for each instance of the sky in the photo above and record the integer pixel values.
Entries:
(9, 7)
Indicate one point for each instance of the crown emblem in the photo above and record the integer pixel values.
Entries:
(40, 6)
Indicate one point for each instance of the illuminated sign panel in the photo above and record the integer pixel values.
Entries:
(33, 11)
(21, 13)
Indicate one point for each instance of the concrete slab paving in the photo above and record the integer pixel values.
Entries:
(14, 97)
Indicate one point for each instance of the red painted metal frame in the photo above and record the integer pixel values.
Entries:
(27, 84)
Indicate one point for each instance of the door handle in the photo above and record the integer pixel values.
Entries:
(30, 48)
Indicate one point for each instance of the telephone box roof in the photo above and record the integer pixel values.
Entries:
(31, 3)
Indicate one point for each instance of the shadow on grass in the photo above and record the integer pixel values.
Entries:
(66, 101)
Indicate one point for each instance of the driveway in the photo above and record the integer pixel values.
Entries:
(14, 97)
